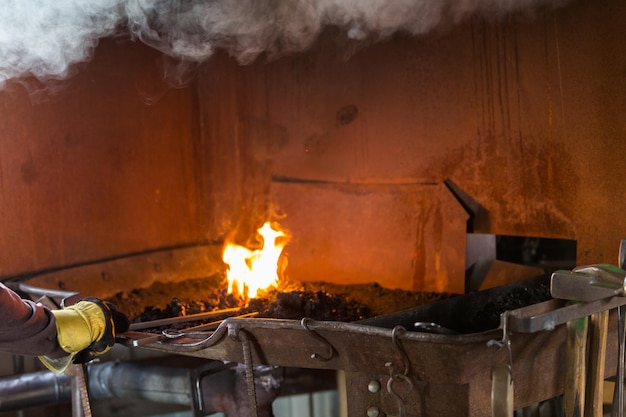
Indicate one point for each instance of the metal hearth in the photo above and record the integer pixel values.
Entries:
(393, 364)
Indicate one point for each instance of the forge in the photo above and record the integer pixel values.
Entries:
(443, 344)
(434, 163)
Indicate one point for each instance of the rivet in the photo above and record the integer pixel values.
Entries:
(373, 412)
(373, 386)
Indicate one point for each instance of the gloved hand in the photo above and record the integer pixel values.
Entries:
(85, 330)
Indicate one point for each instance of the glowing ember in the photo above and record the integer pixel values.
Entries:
(252, 270)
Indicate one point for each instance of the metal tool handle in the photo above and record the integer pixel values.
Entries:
(568, 285)
(605, 274)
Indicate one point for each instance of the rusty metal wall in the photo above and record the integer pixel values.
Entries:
(104, 166)
(525, 116)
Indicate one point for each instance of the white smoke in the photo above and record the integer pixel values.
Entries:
(45, 39)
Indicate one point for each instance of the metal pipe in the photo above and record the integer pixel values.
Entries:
(216, 389)
(138, 381)
(106, 380)
(35, 389)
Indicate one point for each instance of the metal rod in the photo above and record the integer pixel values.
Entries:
(29, 289)
(80, 393)
(618, 394)
(183, 319)
(575, 372)
(549, 314)
(215, 324)
(138, 339)
(598, 334)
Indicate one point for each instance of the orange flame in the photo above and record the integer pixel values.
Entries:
(252, 270)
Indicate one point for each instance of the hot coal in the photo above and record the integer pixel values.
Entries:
(318, 305)
(316, 300)
(473, 312)
(488, 317)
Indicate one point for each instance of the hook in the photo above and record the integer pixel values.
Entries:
(395, 395)
(505, 341)
(329, 347)
(396, 333)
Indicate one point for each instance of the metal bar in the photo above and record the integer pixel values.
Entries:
(575, 371)
(204, 331)
(618, 394)
(80, 394)
(183, 319)
(29, 289)
(549, 314)
(598, 335)
(215, 324)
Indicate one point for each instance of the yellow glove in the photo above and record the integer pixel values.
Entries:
(85, 330)
(79, 325)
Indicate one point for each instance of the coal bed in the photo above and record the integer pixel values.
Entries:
(296, 300)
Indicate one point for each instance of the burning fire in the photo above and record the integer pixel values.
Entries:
(252, 270)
